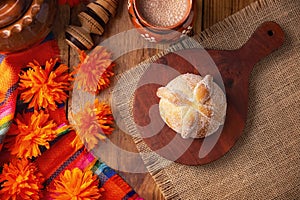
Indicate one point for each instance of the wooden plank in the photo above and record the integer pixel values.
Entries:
(60, 22)
(217, 10)
(198, 23)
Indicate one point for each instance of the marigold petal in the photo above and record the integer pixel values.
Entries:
(43, 88)
(28, 132)
(92, 123)
(21, 180)
(94, 73)
(76, 184)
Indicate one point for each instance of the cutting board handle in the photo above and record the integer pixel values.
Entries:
(267, 38)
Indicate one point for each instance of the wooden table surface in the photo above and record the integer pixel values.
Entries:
(209, 13)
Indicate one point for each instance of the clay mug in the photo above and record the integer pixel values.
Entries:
(162, 33)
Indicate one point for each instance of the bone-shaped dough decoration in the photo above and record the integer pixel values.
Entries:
(192, 106)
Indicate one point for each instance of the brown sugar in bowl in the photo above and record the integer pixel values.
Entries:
(147, 34)
(162, 14)
(160, 27)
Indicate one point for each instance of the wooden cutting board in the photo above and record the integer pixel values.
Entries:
(234, 66)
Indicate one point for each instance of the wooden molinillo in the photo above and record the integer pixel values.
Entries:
(93, 21)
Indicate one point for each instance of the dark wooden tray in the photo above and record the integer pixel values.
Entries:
(234, 66)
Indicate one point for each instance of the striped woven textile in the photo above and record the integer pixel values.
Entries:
(111, 182)
(61, 155)
(10, 67)
(6, 108)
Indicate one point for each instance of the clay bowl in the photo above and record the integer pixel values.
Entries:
(24, 23)
(138, 7)
(154, 33)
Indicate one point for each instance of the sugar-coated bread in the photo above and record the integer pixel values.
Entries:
(193, 106)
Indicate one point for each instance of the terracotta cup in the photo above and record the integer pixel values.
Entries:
(155, 33)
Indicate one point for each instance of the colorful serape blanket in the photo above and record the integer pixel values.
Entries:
(57, 169)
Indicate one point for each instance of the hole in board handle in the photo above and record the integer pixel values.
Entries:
(270, 33)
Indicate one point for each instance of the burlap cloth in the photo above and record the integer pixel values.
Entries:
(265, 162)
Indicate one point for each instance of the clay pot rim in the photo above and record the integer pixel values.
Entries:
(12, 10)
(161, 28)
(157, 33)
(161, 35)
(23, 21)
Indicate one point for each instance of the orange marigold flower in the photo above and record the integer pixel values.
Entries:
(20, 179)
(92, 124)
(44, 87)
(30, 131)
(95, 71)
(76, 184)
